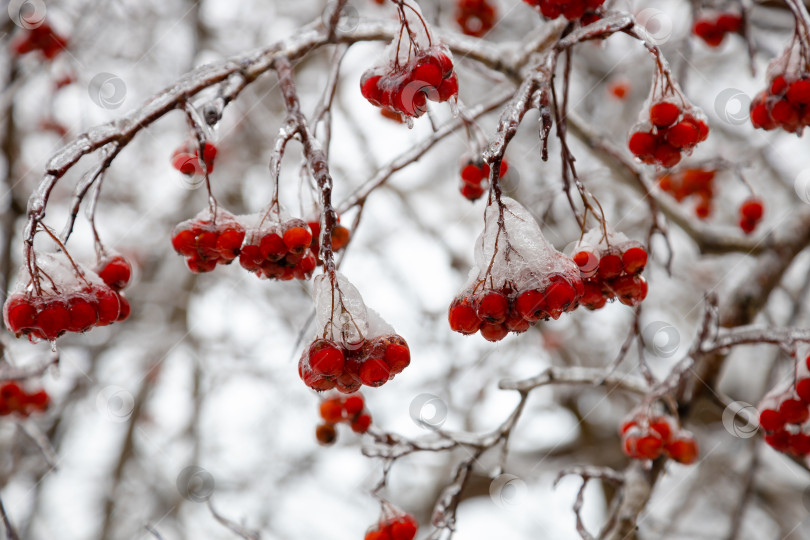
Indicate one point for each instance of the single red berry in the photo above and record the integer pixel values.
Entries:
(109, 306)
(793, 411)
(448, 88)
(493, 331)
(428, 73)
(353, 405)
(684, 450)
(799, 92)
(664, 114)
(649, 446)
(326, 434)
(803, 390)
(228, 243)
(184, 242)
(667, 155)
(331, 410)
(610, 266)
(38, 401)
(297, 238)
(779, 441)
(83, 313)
(53, 319)
(531, 305)
(559, 295)
(588, 263)
(404, 529)
(642, 144)
(683, 135)
(752, 209)
(662, 425)
(20, 313)
(729, 22)
(250, 257)
(124, 308)
(634, 260)
(361, 423)
(374, 372)
(397, 356)
(325, 358)
(115, 272)
(493, 307)
(463, 317)
(799, 444)
(369, 87)
(771, 420)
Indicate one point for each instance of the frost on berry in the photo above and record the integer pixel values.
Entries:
(354, 346)
(517, 279)
(785, 102)
(669, 126)
(277, 246)
(415, 69)
(610, 265)
(206, 241)
(62, 298)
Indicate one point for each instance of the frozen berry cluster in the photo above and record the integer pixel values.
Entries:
(337, 409)
(75, 304)
(43, 38)
(645, 437)
(340, 237)
(713, 27)
(14, 399)
(399, 527)
(570, 9)
(476, 17)
(691, 182)
(785, 411)
(405, 88)
(751, 212)
(279, 251)
(206, 242)
(611, 270)
(475, 177)
(785, 104)
(186, 158)
(671, 131)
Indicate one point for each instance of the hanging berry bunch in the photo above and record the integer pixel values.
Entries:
(610, 265)
(61, 296)
(570, 9)
(751, 211)
(43, 38)
(337, 409)
(354, 346)
(186, 158)
(417, 68)
(14, 399)
(206, 241)
(785, 103)
(475, 17)
(785, 411)
(649, 437)
(712, 26)
(518, 277)
(394, 524)
(116, 272)
(475, 177)
(669, 126)
(686, 183)
(278, 247)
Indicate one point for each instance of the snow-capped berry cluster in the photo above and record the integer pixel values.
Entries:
(751, 211)
(43, 38)
(186, 158)
(785, 411)
(610, 266)
(786, 101)
(570, 9)
(279, 250)
(518, 278)
(475, 177)
(69, 300)
(396, 527)
(646, 437)
(206, 242)
(476, 17)
(336, 409)
(355, 346)
(14, 399)
(670, 131)
(687, 182)
(416, 68)
(340, 237)
(713, 27)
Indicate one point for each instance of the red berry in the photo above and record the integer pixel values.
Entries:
(663, 426)
(108, 305)
(428, 73)
(184, 242)
(115, 272)
(353, 405)
(531, 305)
(361, 423)
(297, 238)
(374, 372)
(683, 135)
(403, 529)
(331, 410)
(684, 450)
(228, 243)
(448, 88)
(326, 434)
(649, 446)
(559, 295)
(53, 319)
(124, 308)
(664, 114)
(20, 313)
(472, 174)
(667, 155)
(493, 307)
(634, 260)
(462, 317)
(729, 22)
(493, 331)
(83, 313)
(752, 209)
(38, 401)
(799, 92)
(610, 266)
(369, 87)
(325, 358)
(803, 390)
(397, 356)
(793, 411)
(779, 441)
(642, 144)
(771, 420)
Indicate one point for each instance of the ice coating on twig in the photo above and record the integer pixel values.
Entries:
(340, 313)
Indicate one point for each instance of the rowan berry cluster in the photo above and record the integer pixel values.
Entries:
(73, 299)
(186, 158)
(670, 131)
(340, 237)
(43, 38)
(688, 182)
(610, 266)
(356, 346)
(336, 409)
(751, 211)
(649, 437)
(713, 27)
(785, 411)
(399, 527)
(206, 242)
(14, 399)
(519, 278)
(475, 177)
(570, 9)
(279, 250)
(475, 17)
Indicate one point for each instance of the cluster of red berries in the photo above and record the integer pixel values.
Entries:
(280, 252)
(712, 28)
(496, 312)
(401, 527)
(186, 158)
(645, 437)
(671, 132)
(43, 38)
(751, 211)
(782, 415)
(336, 409)
(325, 364)
(405, 88)
(14, 399)
(785, 104)
(206, 242)
(475, 176)
(340, 237)
(688, 182)
(75, 308)
(475, 17)
(612, 272)
(570, 9)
